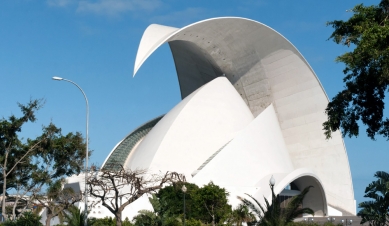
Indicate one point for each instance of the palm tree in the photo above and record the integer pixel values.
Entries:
(74, 217)
(240, 215)
(56, 200)
(272, 214)
(376, 211)
(147, 217)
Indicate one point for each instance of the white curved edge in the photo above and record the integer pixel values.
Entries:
(167, 33)
(114, 148)
(154, 36)
(296, 174)
(282, 180)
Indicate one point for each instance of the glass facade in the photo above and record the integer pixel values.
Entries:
(119, 155)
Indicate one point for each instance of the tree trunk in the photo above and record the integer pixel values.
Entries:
(4, 188)
(118, 216)
(14, 208)
(48, 218)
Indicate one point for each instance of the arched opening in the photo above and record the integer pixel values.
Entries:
(314, 199)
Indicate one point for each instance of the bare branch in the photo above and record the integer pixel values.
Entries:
(110, 185)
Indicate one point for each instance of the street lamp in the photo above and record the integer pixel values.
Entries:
(272, 182)
(309, 220)
(347, 222)
(184, 190)
(87, 140)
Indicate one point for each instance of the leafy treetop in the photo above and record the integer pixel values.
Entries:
(366, 72)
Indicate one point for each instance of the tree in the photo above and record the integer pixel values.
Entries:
(27, 166)
(366, 72)
(272, 214)
(147, 217)
(74, 217)
(11, 151)
(168, 202)
(56, 156)
(168, 207)
(241, 214)
(208, 204)
(116, 189)
(26, 180)
(211, 204)
(376, 211)
(57, 199)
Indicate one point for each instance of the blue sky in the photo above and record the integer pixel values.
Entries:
(94, 44)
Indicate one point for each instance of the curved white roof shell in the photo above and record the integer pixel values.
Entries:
(263, 116)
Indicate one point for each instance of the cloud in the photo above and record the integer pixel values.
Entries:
(116, 7)
(59, 3)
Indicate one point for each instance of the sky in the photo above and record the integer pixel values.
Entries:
(94, 43)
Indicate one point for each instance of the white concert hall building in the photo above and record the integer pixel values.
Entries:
(251, 107)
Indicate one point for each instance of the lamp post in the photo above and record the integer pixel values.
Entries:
(272, 182)
(87, 140)
(184, 190)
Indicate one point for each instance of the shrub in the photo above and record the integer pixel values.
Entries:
(26, 219)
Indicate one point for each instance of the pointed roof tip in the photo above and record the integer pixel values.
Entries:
(154, 36)
(135, 70)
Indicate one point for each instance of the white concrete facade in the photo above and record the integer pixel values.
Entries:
(252, 107)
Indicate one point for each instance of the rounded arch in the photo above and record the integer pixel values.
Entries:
(226, 46)
(302, 178)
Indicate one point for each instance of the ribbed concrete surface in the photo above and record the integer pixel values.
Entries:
(264, 68)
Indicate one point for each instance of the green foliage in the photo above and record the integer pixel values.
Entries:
(272, 214)
(172, 221)
(11, 147)
(26, 219)
(376, 211)
(74, 217)
(57, 200)
(210, 204)
(64, 153)
(146, 217)
(241, 214)
(107, 221)
(168, 206)
(202, 205)
(169, 200)
(366, 72)
(193, 222)
(28, 165)
(126, 222)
